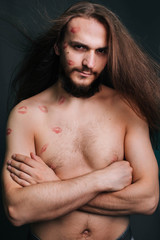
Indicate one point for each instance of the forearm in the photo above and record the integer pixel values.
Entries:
(136, 198)
(49, 200)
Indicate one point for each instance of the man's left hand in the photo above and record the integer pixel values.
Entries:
(31, 170)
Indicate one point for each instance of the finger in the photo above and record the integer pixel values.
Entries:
(19, 157)
(21, 182)
(21, 167)
(35, 157)
(21, 175)
(23, 159)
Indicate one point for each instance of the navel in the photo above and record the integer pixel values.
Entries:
(86, 233)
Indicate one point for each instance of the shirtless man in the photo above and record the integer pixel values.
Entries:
(64, 170)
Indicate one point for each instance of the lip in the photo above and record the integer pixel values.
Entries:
(85, 74)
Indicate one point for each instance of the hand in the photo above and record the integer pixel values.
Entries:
(116, 176)
(31, 170)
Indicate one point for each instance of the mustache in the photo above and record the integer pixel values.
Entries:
(88, 70)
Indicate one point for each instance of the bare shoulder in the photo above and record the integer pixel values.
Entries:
(22, 112)
(31, 109)
(22, 123)
(130, 115)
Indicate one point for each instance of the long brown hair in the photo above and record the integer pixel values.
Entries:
(129, 70)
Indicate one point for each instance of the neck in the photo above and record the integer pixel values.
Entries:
(61, 95)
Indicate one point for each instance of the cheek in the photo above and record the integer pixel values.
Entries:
(70, 62)
(74, 59)
(101, 64)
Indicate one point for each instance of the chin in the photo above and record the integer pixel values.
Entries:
(83, 82)
(80, 86)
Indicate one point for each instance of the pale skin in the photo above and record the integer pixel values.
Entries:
(68, 176)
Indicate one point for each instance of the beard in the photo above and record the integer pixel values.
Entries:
(80, 90)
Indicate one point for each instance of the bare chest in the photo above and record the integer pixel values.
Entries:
(73, 147)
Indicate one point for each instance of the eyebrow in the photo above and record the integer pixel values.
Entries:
(84, 45)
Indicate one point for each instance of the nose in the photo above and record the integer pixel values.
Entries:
(89, 60)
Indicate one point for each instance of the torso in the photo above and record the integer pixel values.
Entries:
(74, 141)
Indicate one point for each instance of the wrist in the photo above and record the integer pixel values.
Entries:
(100, 181)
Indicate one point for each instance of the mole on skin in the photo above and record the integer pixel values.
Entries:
(22, 110)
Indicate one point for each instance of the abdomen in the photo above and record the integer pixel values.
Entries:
(80, 225)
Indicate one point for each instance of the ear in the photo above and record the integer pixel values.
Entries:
(56, 49)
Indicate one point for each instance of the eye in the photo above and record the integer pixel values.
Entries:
(102, 51)
(79, 47)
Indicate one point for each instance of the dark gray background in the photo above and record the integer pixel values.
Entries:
(142, 18)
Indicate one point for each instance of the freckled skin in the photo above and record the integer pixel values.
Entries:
(43, 109)
(8, 132)
(75, 29)
(22, 110)
(61, 100)
(57, 130)
(43, 149)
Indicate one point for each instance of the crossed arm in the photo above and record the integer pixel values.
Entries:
(48, 197)
(142, 195)
(107, 191)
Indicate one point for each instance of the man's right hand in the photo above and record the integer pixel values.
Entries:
(115, 177)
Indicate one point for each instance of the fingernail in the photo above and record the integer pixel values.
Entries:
(9, 161)
(14, 156)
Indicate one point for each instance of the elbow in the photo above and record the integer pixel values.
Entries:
(151, 204)
(13, 216)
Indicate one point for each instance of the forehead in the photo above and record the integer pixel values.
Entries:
(88, 31)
